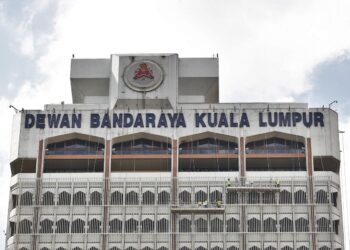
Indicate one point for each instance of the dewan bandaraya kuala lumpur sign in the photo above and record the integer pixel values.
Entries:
(174, 120)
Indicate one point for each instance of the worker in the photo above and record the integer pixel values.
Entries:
(205, 203)
(278, 183)
(218, 203)
(228, 182)
(199, 204)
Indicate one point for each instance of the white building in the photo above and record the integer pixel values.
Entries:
(147, 158)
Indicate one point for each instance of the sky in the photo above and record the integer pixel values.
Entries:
(269, 51)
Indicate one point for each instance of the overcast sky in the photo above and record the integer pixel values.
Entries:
(269, 50)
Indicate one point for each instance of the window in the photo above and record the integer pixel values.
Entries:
(254, 248)
(286, 248)
(94, 226)
(301, 225)
(254, 225)
(201, 248)
(162, 226)
(274, 145)
(46, 226)
(201, 225)
(64, 198)
(208, 146)
(216, 225)
(79, 198)
(148, 198)
(321, 197)
(26, 199)
(233, 248)
(216, 248)
(300, 197)
(334, 197)
(184, 225)
(232, 225)
(232, 198)
(25, 227)
(286, 225)
(270, 225)
(131, 225)
(147, 226)
(48, 198)
(95, 198)
(75, 147)
(115, 226)
(163, 198)
(323, 225)
(117, 198)
(336, 226)
(62, 226)
(270, 248)
(78, 226)
(132, 198)
(201, 196)
(268, 198)
(253, 198)
(324, 248)
(215, 196)
(303, 248)
(285, 197)
(185, 197)
(141, 146)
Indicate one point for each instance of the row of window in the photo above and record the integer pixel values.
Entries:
(185, 197)
(184, 226)
(197, 248)
(202, 146)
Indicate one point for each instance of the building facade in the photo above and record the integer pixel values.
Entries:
(147, 158)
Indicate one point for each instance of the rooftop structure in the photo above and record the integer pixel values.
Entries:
(147, 158)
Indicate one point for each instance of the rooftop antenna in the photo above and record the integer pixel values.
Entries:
(330, 105)
(14, 108)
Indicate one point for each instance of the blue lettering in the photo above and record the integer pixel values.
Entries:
(214, 122)
(223, 120)
(76, 121)
(150, 120)
(306, 122)
(94, 120)
(53, 120)
(272, 122)
(106, 122)
(296, 117)
(172, 119)
(233, 124)
(117, 120)
(128, 120)
(29, 121)
(65, 121)
(138, 121)
(261, 120)
(162, 121)
(318, 119)
(284, 119)
(180, 122)
(40, 121)
(199, 120)
(244, 121)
